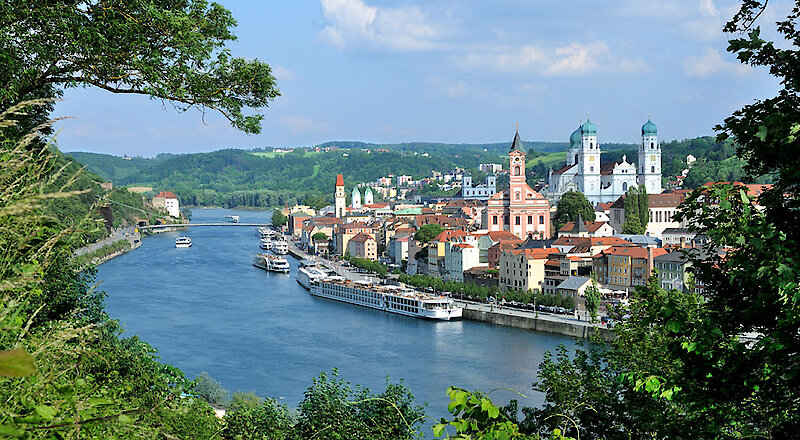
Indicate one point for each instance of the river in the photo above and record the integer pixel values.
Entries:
(206, 308)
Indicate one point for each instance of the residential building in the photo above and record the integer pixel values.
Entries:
(363, 246)
(661, 212)
(459, 257)
(582, 228)
(482, 276)
(489, 239)
(495, 251)
(523, 269)
(345, 232)
(625, 267)
(574, 287)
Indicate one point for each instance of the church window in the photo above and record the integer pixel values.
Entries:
(530, 219)
(516, 171)
(516, 195)
(653, 169)
(494, 219)
(591, 169)
(624, 186)
(652, 145)
(576, 159)
(505, 219)
(516, 221)
(591, 145)
(541, 219)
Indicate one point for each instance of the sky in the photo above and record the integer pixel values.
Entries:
(454, 71)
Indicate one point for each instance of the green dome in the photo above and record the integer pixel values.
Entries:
(588, 128)
(575, 137)
(649, 129)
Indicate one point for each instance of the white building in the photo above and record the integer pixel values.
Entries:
(479, 192)
(584, 173)
(168, 201)
(459, 257)
(490, 168)
(355, 199)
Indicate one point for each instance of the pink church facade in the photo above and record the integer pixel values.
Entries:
(519, 210)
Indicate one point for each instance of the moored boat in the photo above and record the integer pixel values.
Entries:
(389, 298)
(308, 274)
(280, 247)
(272, 263)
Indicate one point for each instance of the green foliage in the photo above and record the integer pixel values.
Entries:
(475, 416)
(252, 418)
(102, 252)
(428, 232)
(171, 51)
(571, 205)
(636, 211)
(332, 409)
(592, 298)
(279, 219)
(208, 389)
(366, 264)
(319, 236)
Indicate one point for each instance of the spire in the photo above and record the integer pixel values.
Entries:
(339, 180)
(579, 225)
(516, 144)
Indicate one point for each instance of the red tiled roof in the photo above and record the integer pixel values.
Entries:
(449, 234)
(167, 195)
(325, 220)
(463, 246)
(502, 236)
(362, 238)
(633, 251)
(535, 254)
(562, 169)
(590, 226)
(603, 206)
(663, 200)
(339, 180)
(607, 168)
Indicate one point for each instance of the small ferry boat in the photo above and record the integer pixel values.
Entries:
(272, 263)
(280, 247)
(389, 298)
(308, 274)
(265, 243)
(232, 218)
(183, 242)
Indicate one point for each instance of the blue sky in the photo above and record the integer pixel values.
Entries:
(453, 71)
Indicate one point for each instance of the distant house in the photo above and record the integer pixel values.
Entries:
(582, 228)
(167, 201)
(363, 246)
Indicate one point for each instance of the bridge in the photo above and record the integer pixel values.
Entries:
(182, 225)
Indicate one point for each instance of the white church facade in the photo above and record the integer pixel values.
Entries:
(584, 173)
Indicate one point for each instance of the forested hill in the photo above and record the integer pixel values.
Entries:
(266, 177)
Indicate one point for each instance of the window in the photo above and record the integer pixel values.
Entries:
(576, 158)
(653, 169)
(591, 169)
(516, 221)
(652, 145)
(494, 220)
(624, 186)
(505, 219)
(516, 195)
(591, 145)
(516, 171)
(530, 219)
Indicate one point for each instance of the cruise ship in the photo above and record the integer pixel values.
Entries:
(308, 274)
(392, 299)
(271, 263)
(280, 247)
(265, 243)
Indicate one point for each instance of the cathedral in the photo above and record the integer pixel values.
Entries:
(584, 173)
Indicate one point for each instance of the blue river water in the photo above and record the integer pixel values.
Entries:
(206, 308)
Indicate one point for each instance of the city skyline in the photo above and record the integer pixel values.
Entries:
(453, 72)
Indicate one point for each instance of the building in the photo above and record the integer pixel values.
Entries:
(520, 209)
(363, 246)
(490, 168)
(625, 267)
(584, 172)
(345, 232)
(582, 228)
(662, 209)
(437, 249)
(458, 258)
(574, 287)
(355, 199)
(168, 201)
(340, 204)
(478, 192)
(369, 198)
(673, 271)
(523, 269)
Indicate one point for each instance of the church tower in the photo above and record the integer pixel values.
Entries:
(369, 198)
(355, 201)
(649, 172)
(516, 172)
(574, 146)
(339, 197)
(589, 163)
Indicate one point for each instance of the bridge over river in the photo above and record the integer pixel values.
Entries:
(181, 225)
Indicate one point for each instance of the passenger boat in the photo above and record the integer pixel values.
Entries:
(280, 247)
(183, 242)
(232, 218)
(308, 274)
(266, 243)
(272, 263)
(389, 298)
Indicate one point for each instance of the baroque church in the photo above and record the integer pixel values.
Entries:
(584, 173)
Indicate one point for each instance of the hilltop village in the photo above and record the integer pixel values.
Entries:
(507, 239)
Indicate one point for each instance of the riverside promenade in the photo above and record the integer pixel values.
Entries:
(490, 313)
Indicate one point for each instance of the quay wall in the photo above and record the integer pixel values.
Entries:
(577, 330)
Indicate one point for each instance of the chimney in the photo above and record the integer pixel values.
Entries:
(649, 261)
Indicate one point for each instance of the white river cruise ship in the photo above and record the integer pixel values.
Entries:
(393, 299)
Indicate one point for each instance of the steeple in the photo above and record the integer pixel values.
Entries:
(516, 144)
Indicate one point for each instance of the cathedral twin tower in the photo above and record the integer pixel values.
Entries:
(600, 183)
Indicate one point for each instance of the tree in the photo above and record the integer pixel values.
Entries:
(633, 216)
(279, 219)
(210, 390)
(319, 236)
(572, 204)
(428, 232)
(592, 298)
(172, 51)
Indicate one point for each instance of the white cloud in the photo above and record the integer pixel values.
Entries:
(574, 59)
(298, 124)
(351, 23)
(711, 63)
(283, 73)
